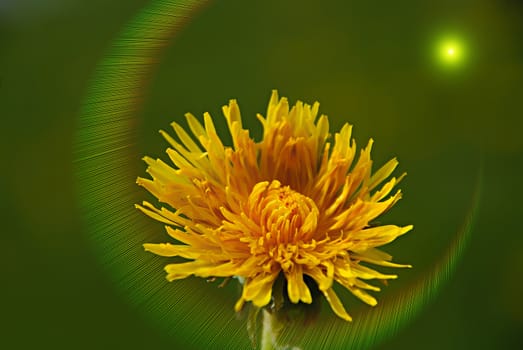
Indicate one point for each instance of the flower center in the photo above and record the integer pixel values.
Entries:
(287, 221)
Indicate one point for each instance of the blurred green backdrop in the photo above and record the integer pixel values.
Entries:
(372, 65)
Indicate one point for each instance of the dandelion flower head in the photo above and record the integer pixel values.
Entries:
(293, 204)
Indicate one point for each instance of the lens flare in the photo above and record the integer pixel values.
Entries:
(450, 52)
(105, 148)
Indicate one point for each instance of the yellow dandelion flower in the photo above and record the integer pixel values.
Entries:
(291, 204)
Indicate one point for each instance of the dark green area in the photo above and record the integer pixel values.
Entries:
(369, 65)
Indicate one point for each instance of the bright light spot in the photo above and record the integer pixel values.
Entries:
(450, 52)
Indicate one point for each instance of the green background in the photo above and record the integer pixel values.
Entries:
(367, 63)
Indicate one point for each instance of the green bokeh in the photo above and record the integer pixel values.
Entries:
(366, 65)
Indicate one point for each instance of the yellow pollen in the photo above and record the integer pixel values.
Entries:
(286, 218)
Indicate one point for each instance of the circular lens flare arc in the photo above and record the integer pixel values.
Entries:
(103, 160)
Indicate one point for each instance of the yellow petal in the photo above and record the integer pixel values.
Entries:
(185, 138)
(239, 304)
(380, 235)
(196, 127)
(367, 273)
(154, 213)
(324, 282)
(297, 290)
(363, 296)
(382, 174)
(376, 257)
(164, 249)
(336, 304)
(259, 289)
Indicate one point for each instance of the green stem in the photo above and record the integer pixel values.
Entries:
(268, 335)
